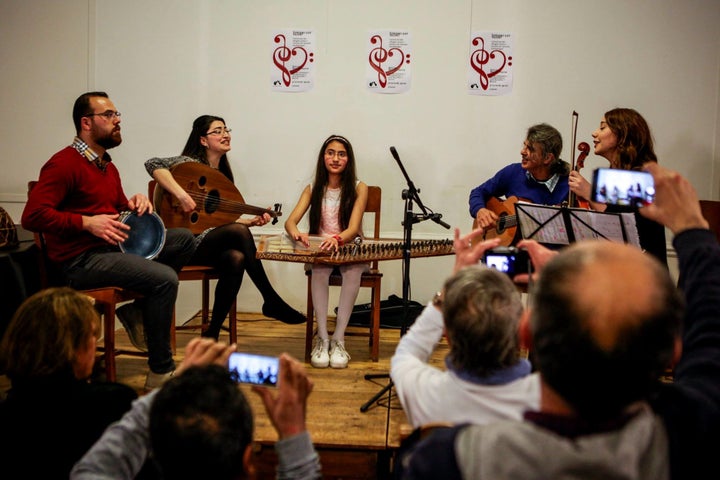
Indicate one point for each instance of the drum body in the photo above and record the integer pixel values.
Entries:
(146, 236)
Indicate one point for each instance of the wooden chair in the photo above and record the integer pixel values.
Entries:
(106, 300)
(370, 279)
(204, 274)
(711, 212)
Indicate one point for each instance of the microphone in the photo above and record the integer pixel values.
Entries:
(402, 169)
(436, 217)
(394, 154)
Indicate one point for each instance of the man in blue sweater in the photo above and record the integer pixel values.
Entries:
(541, 177)
(605, 324)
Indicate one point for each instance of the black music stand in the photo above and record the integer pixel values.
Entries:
(551, 225)
(410, 195)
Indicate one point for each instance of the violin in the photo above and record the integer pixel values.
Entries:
(574, 200)
(577, 164)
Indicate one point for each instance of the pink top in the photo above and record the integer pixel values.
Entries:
(330, 213)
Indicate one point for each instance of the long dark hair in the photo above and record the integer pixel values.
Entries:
(195, 149)
(634, 141)
(348, 179)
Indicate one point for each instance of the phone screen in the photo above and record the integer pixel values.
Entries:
(622, 187)
(503, 263)
(510, 261)
(254, 369)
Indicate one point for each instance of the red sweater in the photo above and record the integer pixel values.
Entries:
(69, 187)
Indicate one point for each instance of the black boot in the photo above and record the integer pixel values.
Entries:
(280, 310)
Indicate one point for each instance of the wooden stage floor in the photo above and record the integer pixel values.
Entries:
(352, 444)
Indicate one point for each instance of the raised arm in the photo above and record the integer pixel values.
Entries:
(159, 169)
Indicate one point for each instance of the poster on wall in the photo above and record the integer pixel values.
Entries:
(293, 61)
(388, 61)
(490, 64)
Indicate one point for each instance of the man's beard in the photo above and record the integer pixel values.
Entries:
(110, 140)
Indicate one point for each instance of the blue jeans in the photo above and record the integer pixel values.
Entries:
(155, 279)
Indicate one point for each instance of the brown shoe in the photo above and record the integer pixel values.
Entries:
(132, 321)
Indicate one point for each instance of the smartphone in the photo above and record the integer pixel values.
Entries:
(622, 187)
(509, 260)
(254, 369)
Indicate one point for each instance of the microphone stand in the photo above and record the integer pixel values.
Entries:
(410, 195)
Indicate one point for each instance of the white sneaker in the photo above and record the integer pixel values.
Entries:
(319, 358)
(339, 357)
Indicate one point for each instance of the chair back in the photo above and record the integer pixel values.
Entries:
(374, 203)
(50, 274)
(711, 212)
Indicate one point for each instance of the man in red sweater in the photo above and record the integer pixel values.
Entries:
(76, 205)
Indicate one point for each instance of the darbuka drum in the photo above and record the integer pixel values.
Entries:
(146, 236)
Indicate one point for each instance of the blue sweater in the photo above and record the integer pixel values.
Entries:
(513, 181)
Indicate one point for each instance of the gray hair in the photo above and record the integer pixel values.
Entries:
(482, 310)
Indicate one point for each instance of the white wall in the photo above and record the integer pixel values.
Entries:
(164, 62)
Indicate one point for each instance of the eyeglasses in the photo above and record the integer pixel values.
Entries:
(332, 153)
(219, 131)
(109, 115)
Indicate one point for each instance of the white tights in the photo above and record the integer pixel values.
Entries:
(348, 294)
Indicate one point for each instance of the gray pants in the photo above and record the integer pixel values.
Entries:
(155, 279)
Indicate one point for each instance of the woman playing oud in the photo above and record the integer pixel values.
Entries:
(228, 248)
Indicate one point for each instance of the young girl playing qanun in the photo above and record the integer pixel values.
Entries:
(336, 200)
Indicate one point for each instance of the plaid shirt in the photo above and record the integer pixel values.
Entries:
(87, 152)
(550, 183)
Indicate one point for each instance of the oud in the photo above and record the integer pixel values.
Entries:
(217, 199)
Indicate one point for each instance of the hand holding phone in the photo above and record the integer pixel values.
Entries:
(254, 369)
(622, 187)
(509, 260)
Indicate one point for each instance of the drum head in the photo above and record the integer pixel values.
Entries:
(146, 236)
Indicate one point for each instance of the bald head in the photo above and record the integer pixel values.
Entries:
(604, 323)
(615, 288)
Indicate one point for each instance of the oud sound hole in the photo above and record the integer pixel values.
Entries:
(194, 217)
(212, 202)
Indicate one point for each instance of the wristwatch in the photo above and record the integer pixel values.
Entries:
(437, 299)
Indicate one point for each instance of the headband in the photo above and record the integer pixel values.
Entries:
(338, 138)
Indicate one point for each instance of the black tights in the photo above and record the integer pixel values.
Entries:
(231, 250)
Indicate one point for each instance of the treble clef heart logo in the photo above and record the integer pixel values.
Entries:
(379, 56)
(483, 62)
(283, 54)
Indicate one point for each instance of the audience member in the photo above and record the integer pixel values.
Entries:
(486, 378)
(601, 352)
(199, 425)
(76, 205)
(53, 412)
